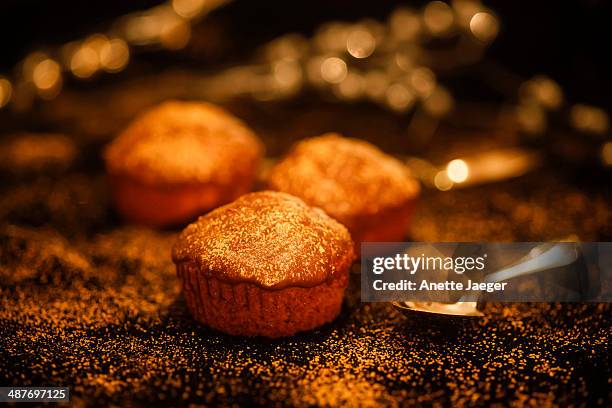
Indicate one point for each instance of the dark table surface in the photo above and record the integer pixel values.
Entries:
(93, 304)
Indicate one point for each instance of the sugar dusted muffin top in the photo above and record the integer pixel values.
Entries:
(268, 238)
(183, 142)
(346, 177)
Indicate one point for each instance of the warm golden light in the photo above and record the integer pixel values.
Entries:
(405, 24)
(46, 74)
(501, 164)
(114, 55)
(439, 103)
(484, 26)
(442, 181)
(531, 118)
(84, 62)
(457, 171)
(376, 83)
(333, 70)
(332, 37)
(404, 61)
(399, 97)
(96, 42)
(175, 34)
(544, 91)
(438, 17)
(360, 43)
(30, 63)
(290, 46)
(465, 10)
(288, 74)
(423, 80)
(606, 153)
(313, 70)
(142, 29)
(6, 91)
(589, 119)
(352, 87)
(188, 8)
(549, 93)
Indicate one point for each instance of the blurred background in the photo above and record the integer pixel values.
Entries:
(567, 41)
(468, 93)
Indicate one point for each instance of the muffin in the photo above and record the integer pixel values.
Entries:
(266, 264)
(180, 160)
(371, 193)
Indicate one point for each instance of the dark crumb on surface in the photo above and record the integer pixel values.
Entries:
(102, 313)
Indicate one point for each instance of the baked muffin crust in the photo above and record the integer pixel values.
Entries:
(183, 142)
(368, 191)
(270, 239)
(180, 160)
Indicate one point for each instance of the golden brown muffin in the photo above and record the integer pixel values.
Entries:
(371, 193)
(179, 160)
(266, 264)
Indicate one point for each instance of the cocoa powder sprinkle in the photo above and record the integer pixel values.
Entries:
(97, 307)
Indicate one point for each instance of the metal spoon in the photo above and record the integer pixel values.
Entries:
(540, 258)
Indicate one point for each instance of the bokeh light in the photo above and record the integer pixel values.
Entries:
(332, 37)
(188, 8)
(405, 24)
(333, 70)
(352, 87)
(457, 171)
(376, 83)
(114, 55)
(175, 33)
(404, 61)
(142, 29)
(46, 74)
(589, 119)
(47, 78)
(606, 153)
(438, 17)
(290, 46)
(439, 103)
(84, 62)
(288, 75)
(465, 10)
(442, 181)
(360, 43)
(6, 91)
(531, 118)
(423, 80)
(400, 97)
(543, 91)
(484, 26)
(30, 63)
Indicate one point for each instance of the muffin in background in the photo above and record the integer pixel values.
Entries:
(370, 192)
(179, 160)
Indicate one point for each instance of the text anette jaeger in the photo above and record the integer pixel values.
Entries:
(406, 285)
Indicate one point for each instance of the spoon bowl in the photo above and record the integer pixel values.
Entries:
(458, 310)
(440, 317)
